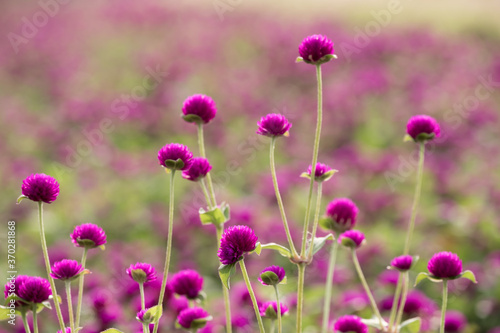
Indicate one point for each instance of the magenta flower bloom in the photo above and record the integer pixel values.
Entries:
(270, 309)
(322, 172)
(35, 289)
(175, 156)
(188, 316)
(352, 238)
(235, 241)
(142, 272)
(40, 187)
(350, 324)
(88, 235)
(13, 287)
(402, 263)
(188, 283)
(315, 49)
(273, 125)
(454, 322)
(422, 128)
(198, 169)
(67, 330)
(199, 109)
(66, 269)
(272, 275)
(341, 215)
(445, 265)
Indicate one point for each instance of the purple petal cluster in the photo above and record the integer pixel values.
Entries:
(350, 324)
(174, 152)
(274, 305)
(402, 263)
(445, 265)
(235, 241)
(40, 187)
(199, 169)
(343, 212)
(187, 282)
(200, 105)
(35, 289)
(88, 235)
(187, 316)
(66, 269)
(454, 322)
(314, 48)
(422, 124)
(356, 236)
(319, 172)
(273, 125)
(67, 330)
(279, 271)
(142, 272)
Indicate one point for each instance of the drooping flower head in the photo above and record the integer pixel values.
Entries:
(352, 238)
(273, 125)
(35, 289)
(187, 282)
(402, 263)
(422, 128)
(66, 269)
(88, 235)
(272, 275)
(235, 241)
(270, 309)
(193, 318)
(198, 169)
(454, 322)
(445, 265)
(322, 172)
(316, 49)
(341, 215)
(40, 187)
(350, 324)
(199, 109)
(142, 272)
(175, 156)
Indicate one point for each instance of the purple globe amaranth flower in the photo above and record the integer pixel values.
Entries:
(187, 282)
(88, 235)
(270, 309)
(12, 287)
(272, 275)
(66, 269)
(316, 49)
(175, 156)
(445, 265)
(350, 324)
(273, 125)
(35, 289)
(422, 128)
(454, 322)
(199, 169)
(235, 241)
(322, 172)
(40, 187)
(402, 263)
(352, 238)
(341, 215)
(67, 330)
(193, 318)
(142, 272)
(199, 109)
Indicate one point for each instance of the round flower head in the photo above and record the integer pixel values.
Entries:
(445, 265)
(199, 109)
(270, 309)
(88, 235)
(316, 49)
(235, 241)
(35, 289)
(188, 283)
(40, 187)
(175, 156)
(454, 322)
(142, 272)
(272, 275)
(352, 238)
(193, 318)
(402, 263)
(13, 287)
(341, 215)
(322, 172)
(198, 169)
(350, 324)
(273, 125)
(422, 128)
(66, 269)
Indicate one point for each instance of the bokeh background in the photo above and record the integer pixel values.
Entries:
(91, 91)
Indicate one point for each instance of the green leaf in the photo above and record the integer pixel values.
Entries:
(374, 322)
(305, 175)
(469, 276)
(258, 248)
(319, 242)
(5, 313)
(174, 165)
(408, 138)
(411, 325)
(283, 281)
(280, 248)
(193, 118)
(112, 330)
(202, 297)
(299, 59)
(225, 272)
(422, 276)
(200, 322)
(216, 216)
(270, 278)
(21, 198)
(326, 223)
(153, 314)
(51, 297)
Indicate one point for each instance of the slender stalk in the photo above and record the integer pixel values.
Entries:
(367, 288)
(25, 322)
(316, 219)
(143, 306)
(278, 197)
(35, 319)
(445, 302)
(225, 291)
(272, 326)
(169, 246)
(80, 289)
(314, 159)
(328, 287)
(278, 304)
(205, 193)
(70, 306)
(416, 198)
(252, 295)
(300, 295)
(201, 143)
(395, 301)
(406, 282)
(47, 267)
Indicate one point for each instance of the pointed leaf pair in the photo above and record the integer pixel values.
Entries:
(225, 272)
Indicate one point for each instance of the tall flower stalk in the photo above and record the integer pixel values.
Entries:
(252, 296)
(328, 287)
(80, 288)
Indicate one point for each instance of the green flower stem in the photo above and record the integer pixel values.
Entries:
(278, 304)
(252, 295)
(169, 246)
(367, 288)
(300, 295)
(314, 159)
(416, 198)
(25, 322)
(443, 307)
(406, 282)
(328, 287)
(225, 291)
(273, 326)
(35, 319)
(47, 267)
(278, 197)
(201, 143)
(205, 193)
(395, 301)
(316, 219)
(70, 306)
(80, 288)
(143, 306)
